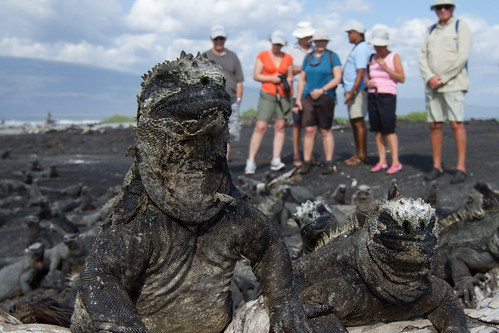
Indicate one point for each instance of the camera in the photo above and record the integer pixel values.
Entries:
(284, 83)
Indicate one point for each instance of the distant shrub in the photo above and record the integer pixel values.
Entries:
(414, 116)
(118, 119)
(249, 113)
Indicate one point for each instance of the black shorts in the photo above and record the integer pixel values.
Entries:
(319, 112)
(381, 108)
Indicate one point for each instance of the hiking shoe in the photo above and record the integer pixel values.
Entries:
(459, 177)
(328, 168)
(250, 167)
(305, 168)
(276, 164)
(433, 174)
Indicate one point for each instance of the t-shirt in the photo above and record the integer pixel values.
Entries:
(358, 58)
(269, 69)
(231, 67)
(319, 71)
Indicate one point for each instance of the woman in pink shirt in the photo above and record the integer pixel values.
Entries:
(384, 72)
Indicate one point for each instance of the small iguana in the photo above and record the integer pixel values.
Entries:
(380, 272)
(469, 247)
(164, 258)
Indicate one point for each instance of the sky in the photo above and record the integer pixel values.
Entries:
(133, 35)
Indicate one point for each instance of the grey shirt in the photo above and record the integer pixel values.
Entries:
(231, 67)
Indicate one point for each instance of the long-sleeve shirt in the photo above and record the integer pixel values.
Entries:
(445, 53)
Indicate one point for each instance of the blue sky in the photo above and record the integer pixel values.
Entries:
(133, 35)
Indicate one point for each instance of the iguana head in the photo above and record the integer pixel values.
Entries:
(403, 237)
(181, 137)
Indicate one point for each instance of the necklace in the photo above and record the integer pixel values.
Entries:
(315, 61)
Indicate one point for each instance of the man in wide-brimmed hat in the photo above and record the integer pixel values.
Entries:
(443, 59)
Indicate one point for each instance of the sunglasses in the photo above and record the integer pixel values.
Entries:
(219, 38)
(446, 7)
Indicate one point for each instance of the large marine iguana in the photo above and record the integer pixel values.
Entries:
(380, 271)
(469, 246)
(164, 258)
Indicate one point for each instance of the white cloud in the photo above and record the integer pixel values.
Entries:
(352, 6)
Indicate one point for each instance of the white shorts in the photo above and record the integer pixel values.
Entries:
(445, 106)
(357, 107)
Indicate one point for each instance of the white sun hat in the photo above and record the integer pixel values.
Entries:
(380, 37)
(443, 2)
(320, 34)
(303, 29)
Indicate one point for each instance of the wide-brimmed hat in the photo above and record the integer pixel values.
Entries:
(356, 26)
(443, 2)
(380, 37)
(278, 37)
(320, 34)
(217, 31)
(303, 29)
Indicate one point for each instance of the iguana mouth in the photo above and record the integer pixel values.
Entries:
(193, 103)
(396, 242)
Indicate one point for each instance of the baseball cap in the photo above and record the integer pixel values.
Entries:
(217, 31)
(356, 26)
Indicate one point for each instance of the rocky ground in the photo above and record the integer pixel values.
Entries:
(95, 158)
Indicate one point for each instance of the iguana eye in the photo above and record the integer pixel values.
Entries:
(204, 80)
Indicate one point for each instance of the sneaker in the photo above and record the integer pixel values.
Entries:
(433, 174)
(394, 169)
(328, 168)
(379, 167)
(276, 164)
(305, 168)
(250, 167)
(459, 177)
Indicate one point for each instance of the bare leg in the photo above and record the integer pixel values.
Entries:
(380, 144)
(436, 140)
(228, 151)
(460, 142)
(257, 137)
(308, 142)
(279, 136)
(296, 140)
(328, 143)
(393, 144)
(360, 136)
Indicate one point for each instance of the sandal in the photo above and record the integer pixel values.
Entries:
(379, 167)
(356, 160)
(394, 169)
(297, 162)
(316, 163)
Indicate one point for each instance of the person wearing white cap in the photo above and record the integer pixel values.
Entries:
(303, 46)
(234, 77)
(274, 69)
(384, 72)
(442, 61)
(355, 90)
(316, 96)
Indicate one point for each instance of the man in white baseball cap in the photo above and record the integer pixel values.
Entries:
(233, 71)
(445, 74)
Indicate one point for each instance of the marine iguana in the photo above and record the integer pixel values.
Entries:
(469, 247)
(164, 257)
(381, 271)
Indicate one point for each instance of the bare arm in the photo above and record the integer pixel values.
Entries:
(239, 90)
(398, 72)
(299, 89)
(356, 84)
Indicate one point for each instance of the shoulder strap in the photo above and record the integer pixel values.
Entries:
(369, 62)
(435, 25)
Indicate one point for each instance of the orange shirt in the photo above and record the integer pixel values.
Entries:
(269, 69)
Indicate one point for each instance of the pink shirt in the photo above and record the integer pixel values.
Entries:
(385, 84)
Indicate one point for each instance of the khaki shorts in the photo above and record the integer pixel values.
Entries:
(357, 107)
(445, 106)
(269, 108)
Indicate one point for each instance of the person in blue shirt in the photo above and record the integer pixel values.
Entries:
(354, 72)
(316, 96)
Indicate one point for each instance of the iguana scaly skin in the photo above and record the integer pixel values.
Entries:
(164, 258)
(380, 272)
